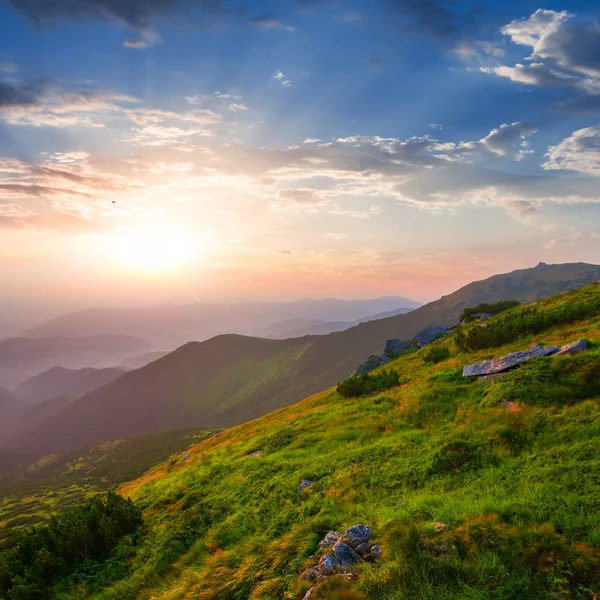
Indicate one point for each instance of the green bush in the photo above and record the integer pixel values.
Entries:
(529, 320)
(79, 542)
(492, 309)
(366, 383)
(436, 354)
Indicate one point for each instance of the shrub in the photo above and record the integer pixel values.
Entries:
(68, 545)
(492, 309)
(436, 354)
(367, 383)
(529, 320)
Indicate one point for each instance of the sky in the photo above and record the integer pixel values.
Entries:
(183, 150)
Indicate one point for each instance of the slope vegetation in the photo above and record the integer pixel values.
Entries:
(230, 379)
(474, 489)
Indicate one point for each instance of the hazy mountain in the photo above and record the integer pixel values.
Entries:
(171, 325)
(230, 379)
(136, 362)
(21, 357)
(302, 327)
(59, 381)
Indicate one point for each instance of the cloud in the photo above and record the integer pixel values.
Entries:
(138, 15)
(572, 238)
(279, 76)
(271, 22)
(565, 53)
(135, 43)
(8, 66)
(20, 94)
(579, 152)
(298, 198)
(13, 216)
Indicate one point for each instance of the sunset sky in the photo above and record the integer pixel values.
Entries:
(172, 150)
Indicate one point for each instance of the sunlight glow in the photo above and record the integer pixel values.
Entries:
(152, 248)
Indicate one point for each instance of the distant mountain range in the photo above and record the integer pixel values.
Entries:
(22, 357)
(231, 378)
(171, 325)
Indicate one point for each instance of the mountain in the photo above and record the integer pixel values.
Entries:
(302, 327)
(136, 362)
(172, 325)
(471, 488)
(230, 379)
(21, 358)
(59, 381)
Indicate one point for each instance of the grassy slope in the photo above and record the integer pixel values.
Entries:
(523, 511)
(31, 493)
(231, 379)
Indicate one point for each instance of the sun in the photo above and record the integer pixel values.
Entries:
(152, 248)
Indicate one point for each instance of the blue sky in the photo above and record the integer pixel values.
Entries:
(157, 149)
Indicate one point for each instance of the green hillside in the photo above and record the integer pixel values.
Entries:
(231, 379)
(510, 467)
(32, 491)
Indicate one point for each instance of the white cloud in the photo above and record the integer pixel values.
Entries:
(579, 152)
(279, 76)
(8, 66)
(572, 238)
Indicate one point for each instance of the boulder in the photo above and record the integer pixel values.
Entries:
(369, 365)
(573, 348)
(255, 453)
(358, 534)
(363, 549)
(510, 361)
(304, 484)
(310, 574)
(344, 555)
(428, 335)
(330, 538)
(396, 346)
(328, 565)
(376, 553)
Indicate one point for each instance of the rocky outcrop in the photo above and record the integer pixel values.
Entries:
(350, 548)
(305, 483)
(394, 347)
(487, 368)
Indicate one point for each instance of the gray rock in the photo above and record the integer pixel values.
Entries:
(504, 363)
(328, 565)
(344, 555)
(573, 348)
(363, 549)
(428, 335)
(310, 574)
(255, 453)
(357, 534)
(376, 552)
(304, 484)
(369, 365)
(330, 538)
(482, 316)
(383, 357)
(396, 346)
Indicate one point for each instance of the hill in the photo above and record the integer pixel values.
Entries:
(33, 490)
(473, 489)
(59, 381)
(21, 357)
(231, 379)
(172, 325)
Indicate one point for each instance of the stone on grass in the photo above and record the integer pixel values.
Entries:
(344, 554)
(504, 363)
(396, 346)
(376, 552)
(310, 574)
(573, 348)
(328, 565)
(362, 549)
(304, 484)
(357, 534)
(330, 538)
(428, 335)
(310, 594)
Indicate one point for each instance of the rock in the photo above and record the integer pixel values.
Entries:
(310, 574)
(383, 357)
(438, 549)
(255, 453)
(504, 363)
(344, 555)
(573, 347)
(310, 594)
(352, 576)
(482, 316)
(328, 565)
(428, 335)
(330, 538)
(363, 550)
(371, 363)
(440, 527)
(396, 346)
(376, 553)
(304, 484)
(358, 534)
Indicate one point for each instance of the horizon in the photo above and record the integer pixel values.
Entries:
(380, 150)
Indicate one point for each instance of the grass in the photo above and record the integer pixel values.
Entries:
(517, 484)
